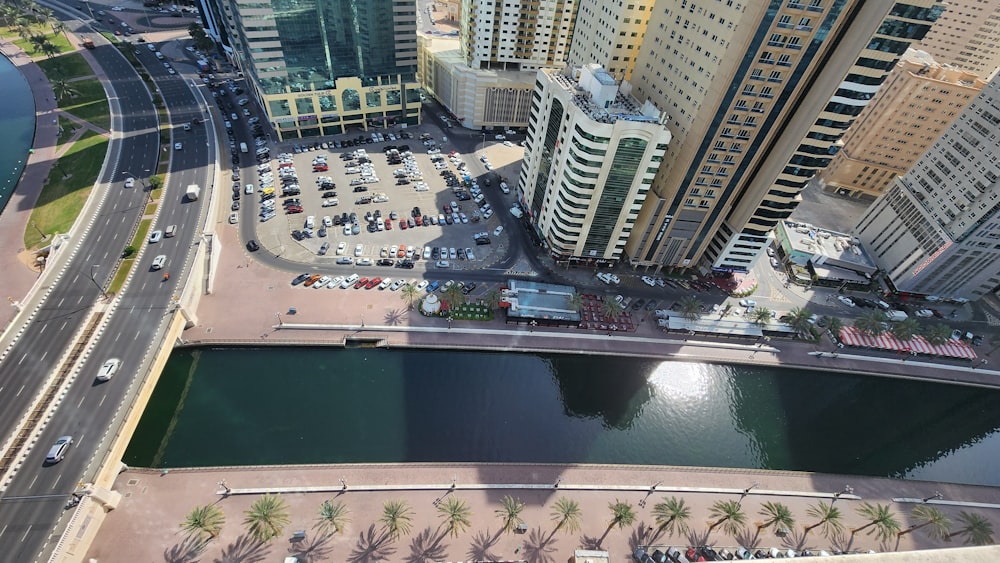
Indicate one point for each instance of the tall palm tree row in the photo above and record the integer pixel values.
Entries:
(828, 517)
(456, 515)
(611, 308)
(332, 517)
(204, 522)
(622, 515)
(672, 516)
(690, 308)
(410, 294)
(728, 514)
(777, 515)
(881, 517)
(871, 322)
(799, 319)
(566, 514)
(510, 513)
(940, 525)
(266, 518)
(974, 529)
(397, 518)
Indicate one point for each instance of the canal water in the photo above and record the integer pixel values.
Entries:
(308, 405)
(17, 121)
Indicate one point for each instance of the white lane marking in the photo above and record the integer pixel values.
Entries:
(45, 326)
(43, 355)
(117, 336)
(3, 530)
(76, 278)
(56, 482)
(82, 399)
(22, 358)
(102, 401)
(26, 532)
(63, 325)
(61, 302)
(19, 391)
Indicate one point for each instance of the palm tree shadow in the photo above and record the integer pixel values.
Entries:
(394, 317)
(697, 538)
(538, 548)
(372, 546)
(748, 540)
(316, 549)
(244, 550)
(426, 546)
(186, 551)
(481, 545)
(795, 539)
(841, 542)
(642, 534)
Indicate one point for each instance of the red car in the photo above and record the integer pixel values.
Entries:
(373, 283)
(418, 220)
(285, 165)
(360, 283)
(291, 210)
(388, 225)
(320, 168)
(401, 252)
(402, 225)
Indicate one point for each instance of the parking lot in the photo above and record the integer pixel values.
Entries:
(389, 187)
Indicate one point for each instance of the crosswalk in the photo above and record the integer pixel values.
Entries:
(991, 319)
(777, 296)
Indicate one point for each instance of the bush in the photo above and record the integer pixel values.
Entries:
(128, 252)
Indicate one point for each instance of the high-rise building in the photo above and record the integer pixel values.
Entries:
(966, 36)
(758, 94)
(610, 34)
(488, 82)
(910, 111)
(937, 230)
(593, 153)
(321, 67)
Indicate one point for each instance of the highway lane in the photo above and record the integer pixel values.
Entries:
(34, 502)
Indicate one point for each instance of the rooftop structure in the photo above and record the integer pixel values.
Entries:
(545, 303)
(802, 243)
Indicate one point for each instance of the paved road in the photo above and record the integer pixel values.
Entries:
(34, 501)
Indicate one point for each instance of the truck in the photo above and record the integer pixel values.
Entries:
(192, 192)
(203, 65)
(896, 315)
(243, 147)
(88, 43)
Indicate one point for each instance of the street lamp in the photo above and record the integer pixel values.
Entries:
(848, 490)
(278, 315)
(936, 496)
(40, 233)
(93, 278)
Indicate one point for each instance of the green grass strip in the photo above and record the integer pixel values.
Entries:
(89, 103)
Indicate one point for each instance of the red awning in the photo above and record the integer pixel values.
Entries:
(886, 341)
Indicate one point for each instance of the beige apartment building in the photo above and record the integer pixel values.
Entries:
(610, 34)
(966, 36)
(757, 94)
(917, 103)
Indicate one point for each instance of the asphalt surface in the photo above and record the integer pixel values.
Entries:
(34, 502)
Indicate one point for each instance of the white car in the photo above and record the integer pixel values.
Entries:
(108, 369)
(748, 303)
(508, 144)
(234, 217)
(385, 283)
(359, 250)
(497, 231)
(846, 300)
(327, 222)
(396, 285)
(248, 189)
(155, 236)
(178, 146)
(335, 282)
(422, 285)
(321, 282)
(649, 281)
(341, 248)
(469, 255)
(130, 182)
(122, 9)
(924, 313)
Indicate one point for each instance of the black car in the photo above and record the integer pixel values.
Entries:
(406, 264)
(297, 235)
(385, 262)
(435, 253)
(415, 212)
(482, 241)
(360, 189)
(236, 206)
(468, 288)
(236, 196)
(325, 195)
(337, 221)
(252, 245)
(300, 278)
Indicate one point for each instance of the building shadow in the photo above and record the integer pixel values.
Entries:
(244, 550)
(188, 550)
(372, 546)
(426, 546)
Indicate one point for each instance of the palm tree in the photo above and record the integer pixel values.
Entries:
(332, 516)
(906, 329)
(975, 529)
(871, 322)
(63, 90)
(266, 518)
(690, 308)
(566, 514)
(575, 302)
(492, 299)
(937, 333)
(59, 27)
(880, 516)
(798, 318)
(49, 49)
(834, 325)
(672, 515)
(37, 41)
(829, 519)
(729, 514)
(453, 296)
(510, 513)
(622, 515)
(761, 316)
(397, 518)
(456, 515)
(940, 524)
(204, 522)
(9, 15)
(611, 308)
(776, 514)
(409, 293)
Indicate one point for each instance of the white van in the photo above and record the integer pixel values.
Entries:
(170, 231)
(349, 281)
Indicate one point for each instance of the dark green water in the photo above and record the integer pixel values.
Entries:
(17, 121)
(278, 406)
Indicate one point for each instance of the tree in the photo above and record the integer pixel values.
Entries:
(672, 515)
(829, 519)
(622, 515)
(566, 514)
(798, 318)
(937, 333)
(880, 516)
(332, 516)
(266, 518)
(37, 41)
(575, 302)
(729, 515)
(63, 90)
(510, 513)
(454, 296)
(761, 316)
(456, 515)
(777, 514)
(690, 308)
(49, 49)
(410, 294)
(975, 529)
(871, 322)
(204, 522)
(155, 182)
(834, 325)
(611, 308)
(492, 299)
(940, 524)
(397, 518)
(906, 329)
(59, 27)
